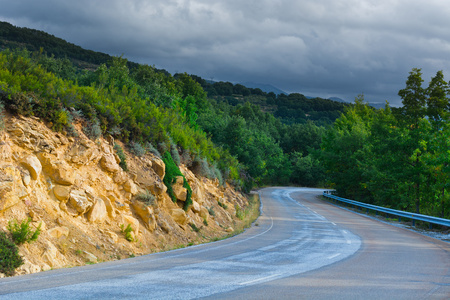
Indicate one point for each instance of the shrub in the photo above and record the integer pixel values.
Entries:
(148, 198)
(137, 149)
(9, 255)
(93, 130)
(211, 211)
(172, 171)
(175, 155)
(122, 156)
(194, 227)
(223, 205)
(22, 232)
(150, 148)
(127, 232)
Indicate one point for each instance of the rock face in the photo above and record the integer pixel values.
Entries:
(76, 190)
(33, 166)
(12, 189)
(58, 170)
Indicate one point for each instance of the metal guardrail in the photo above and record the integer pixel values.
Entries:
(400, 214)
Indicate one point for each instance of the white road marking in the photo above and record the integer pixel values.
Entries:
(259, 279)
(333, 256)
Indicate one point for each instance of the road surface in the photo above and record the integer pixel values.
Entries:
(302, 248)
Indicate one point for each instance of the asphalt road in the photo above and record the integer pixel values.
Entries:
(302, 248)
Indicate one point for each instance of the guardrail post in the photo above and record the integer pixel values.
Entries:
(413, 223)
(399, 219)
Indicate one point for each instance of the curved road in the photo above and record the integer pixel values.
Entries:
(302, 248)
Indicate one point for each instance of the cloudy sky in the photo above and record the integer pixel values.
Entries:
(320, 48)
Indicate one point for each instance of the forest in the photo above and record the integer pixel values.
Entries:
(394, 157)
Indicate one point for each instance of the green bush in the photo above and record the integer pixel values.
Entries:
(122, 156)
(194, 227)
(22, 233)
(127, 232)
(10, 259)
(172, 171)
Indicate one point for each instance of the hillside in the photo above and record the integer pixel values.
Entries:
(76, 190)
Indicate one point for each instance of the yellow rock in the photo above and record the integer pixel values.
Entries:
(58, 232)
(134, 223)
(179, 216)
(98, 212)
(61, 192)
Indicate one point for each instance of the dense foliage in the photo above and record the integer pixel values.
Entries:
(172, 172)
(9, 255)
(395, 157)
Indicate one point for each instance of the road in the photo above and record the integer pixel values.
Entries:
(302, 248)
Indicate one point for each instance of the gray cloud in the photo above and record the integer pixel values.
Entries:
(324, 48)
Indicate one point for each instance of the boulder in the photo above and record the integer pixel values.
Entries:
(113, 237)
(198, 194)
(179, 216)
(98, 212)
(196, 207)
(130, 187)
(134, 223)
(108, 163)
(79, 201)
(120, 177)
(61, 192)
(28, 267)
(90, 257)
(33, 165)
(164, 225)
(26, 177)
(52, 256)
(146, 214)
(59, 171)
(179, 191)
(109, 207)
(159, 167)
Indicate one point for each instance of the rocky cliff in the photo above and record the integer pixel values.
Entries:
(75, 188)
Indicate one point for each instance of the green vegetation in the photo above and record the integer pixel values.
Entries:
(10, 259)
(396, 157)
(22, 233)
(237, 135)
(122, 157)
(127, 232)
(194, 227)
(172, 172)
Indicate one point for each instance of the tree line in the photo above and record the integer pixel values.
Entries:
(395, 157)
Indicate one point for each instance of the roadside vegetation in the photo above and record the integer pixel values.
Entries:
(395, 157)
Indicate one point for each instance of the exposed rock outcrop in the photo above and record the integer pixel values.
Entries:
(81, 197)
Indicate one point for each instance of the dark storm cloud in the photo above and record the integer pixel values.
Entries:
(324, 48)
